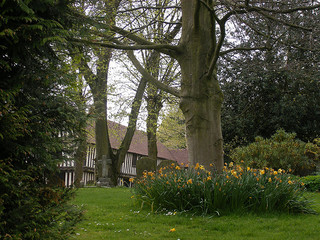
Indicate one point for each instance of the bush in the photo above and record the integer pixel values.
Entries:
(282, 150)
(30, 210)
(312, 183)
(235, 190)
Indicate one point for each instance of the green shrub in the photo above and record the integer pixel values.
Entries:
(31, 210)
(282, 150)
(312, 183)
(235, 190)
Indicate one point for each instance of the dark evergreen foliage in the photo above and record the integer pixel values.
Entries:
(278, 87)
(38, 121)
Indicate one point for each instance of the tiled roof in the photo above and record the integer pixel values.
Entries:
(139, 144)
(181, 155)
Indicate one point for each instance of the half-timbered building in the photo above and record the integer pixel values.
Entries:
(138, 149)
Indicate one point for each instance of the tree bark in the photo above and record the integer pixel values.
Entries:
(80, 156)
(152, 120)
(154, 106)
(201, 96)
(125, 144)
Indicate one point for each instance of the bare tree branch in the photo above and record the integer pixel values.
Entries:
(149, 8)
(284, 22)
(218, 47)
(159, 47)
(222, 53)
(284, 11)
(150, 78)
(168, 49)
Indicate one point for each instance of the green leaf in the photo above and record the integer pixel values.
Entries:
(25, 8)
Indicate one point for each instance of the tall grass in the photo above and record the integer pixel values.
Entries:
(236, 189)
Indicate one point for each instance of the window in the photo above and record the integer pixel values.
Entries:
(134, 160)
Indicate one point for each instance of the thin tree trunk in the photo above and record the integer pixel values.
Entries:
(133, 117)
(80, 156)
(153, 105)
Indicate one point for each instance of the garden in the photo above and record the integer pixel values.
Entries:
(249, 199)
(220, 77)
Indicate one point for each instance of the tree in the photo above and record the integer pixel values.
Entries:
(38, 121)
(97, 79)
(95, 72)
(204, 29)
(160, 66)
(253, 82)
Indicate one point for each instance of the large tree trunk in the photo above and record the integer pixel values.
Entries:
(99, 91)
(103, 147)
(201, 96)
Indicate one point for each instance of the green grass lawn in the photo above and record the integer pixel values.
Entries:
(111, 214)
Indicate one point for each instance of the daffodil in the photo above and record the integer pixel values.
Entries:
(172, 230)
(189, 181)
(197, 166)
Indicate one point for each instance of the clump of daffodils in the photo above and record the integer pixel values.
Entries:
(236, 188)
